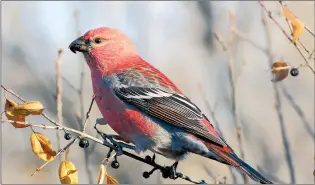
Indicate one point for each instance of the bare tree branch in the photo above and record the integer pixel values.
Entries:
(279, 113)
(117, 146)
(59, 95)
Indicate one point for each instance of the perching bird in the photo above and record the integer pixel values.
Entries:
(145, 107)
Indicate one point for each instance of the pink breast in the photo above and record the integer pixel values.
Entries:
(123, 120)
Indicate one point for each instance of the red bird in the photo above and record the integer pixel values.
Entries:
(145, 107)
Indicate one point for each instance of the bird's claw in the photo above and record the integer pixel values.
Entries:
(118, 145)
(170, 171)
(150, 159)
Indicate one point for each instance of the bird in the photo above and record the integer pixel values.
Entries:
(143, 106)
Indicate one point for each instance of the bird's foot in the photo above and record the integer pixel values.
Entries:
(111, 140)
(170, 171)
(150, 160)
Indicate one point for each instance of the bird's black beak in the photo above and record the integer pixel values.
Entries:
(78, 45)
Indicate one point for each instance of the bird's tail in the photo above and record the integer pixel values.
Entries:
(233, 160)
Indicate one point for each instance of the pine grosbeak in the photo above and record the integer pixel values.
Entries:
(145, 107)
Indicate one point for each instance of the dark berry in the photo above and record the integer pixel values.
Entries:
(146, 175)
(148, 158)
(115, 164)
(84, 143)
(68, 136)
(294, 72)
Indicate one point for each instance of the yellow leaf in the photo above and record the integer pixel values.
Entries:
(9, 107)
(18, 112)
(68, 174)
(111, 180)
(42, 147)
(297, 25)
(288, 14)
(279, 74)
(101, 175)
(297, 29)
(32, 107)
(104, 175)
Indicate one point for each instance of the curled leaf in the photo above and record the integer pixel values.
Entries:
(32, 107)
(18, 112)
(42, 147)
(101, 174)
(9, 107)
(278, 73)
(68, 174)
(297, 24)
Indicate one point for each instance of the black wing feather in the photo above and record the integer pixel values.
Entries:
(169, 107)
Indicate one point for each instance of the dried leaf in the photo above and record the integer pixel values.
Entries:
(42, 147)
(9, 107)
(111, 180)
(104, 175)
(68, 174)
(20, 125)
(16, 112)
(32, 107)
(297, 24)
(288, 14)
(279, 74)
(101, 174)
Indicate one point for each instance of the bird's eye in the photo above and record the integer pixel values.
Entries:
(98, 40)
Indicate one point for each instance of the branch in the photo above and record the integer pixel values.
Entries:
(114, 147)
(82, 124)
(59, 95)
(233, 100)
(58, 154)
(282, 6)
(20, 98)
(286, 34)
(216, 125)
(278, 108)
(299, 111)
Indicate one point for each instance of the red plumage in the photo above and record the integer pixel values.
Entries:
(145, 107)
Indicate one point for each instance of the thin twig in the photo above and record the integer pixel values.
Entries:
(289, 25)
(23, 100)
(82, 124)
(299, 111)
(310, 56)
(88, 113)
(59, 152)
(59, 96)
(111, 146)
(233, 100)
(241, 35)
(286, 34)
(279, 113)
(271, 176)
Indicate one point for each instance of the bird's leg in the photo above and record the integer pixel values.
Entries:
(173, 174)
(170, 171)
(118, 145)
(150, 159)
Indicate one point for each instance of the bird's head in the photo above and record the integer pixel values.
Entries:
(102, 44)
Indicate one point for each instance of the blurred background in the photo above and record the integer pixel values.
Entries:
(177, 38)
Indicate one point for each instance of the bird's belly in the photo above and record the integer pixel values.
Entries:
(129, 123)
